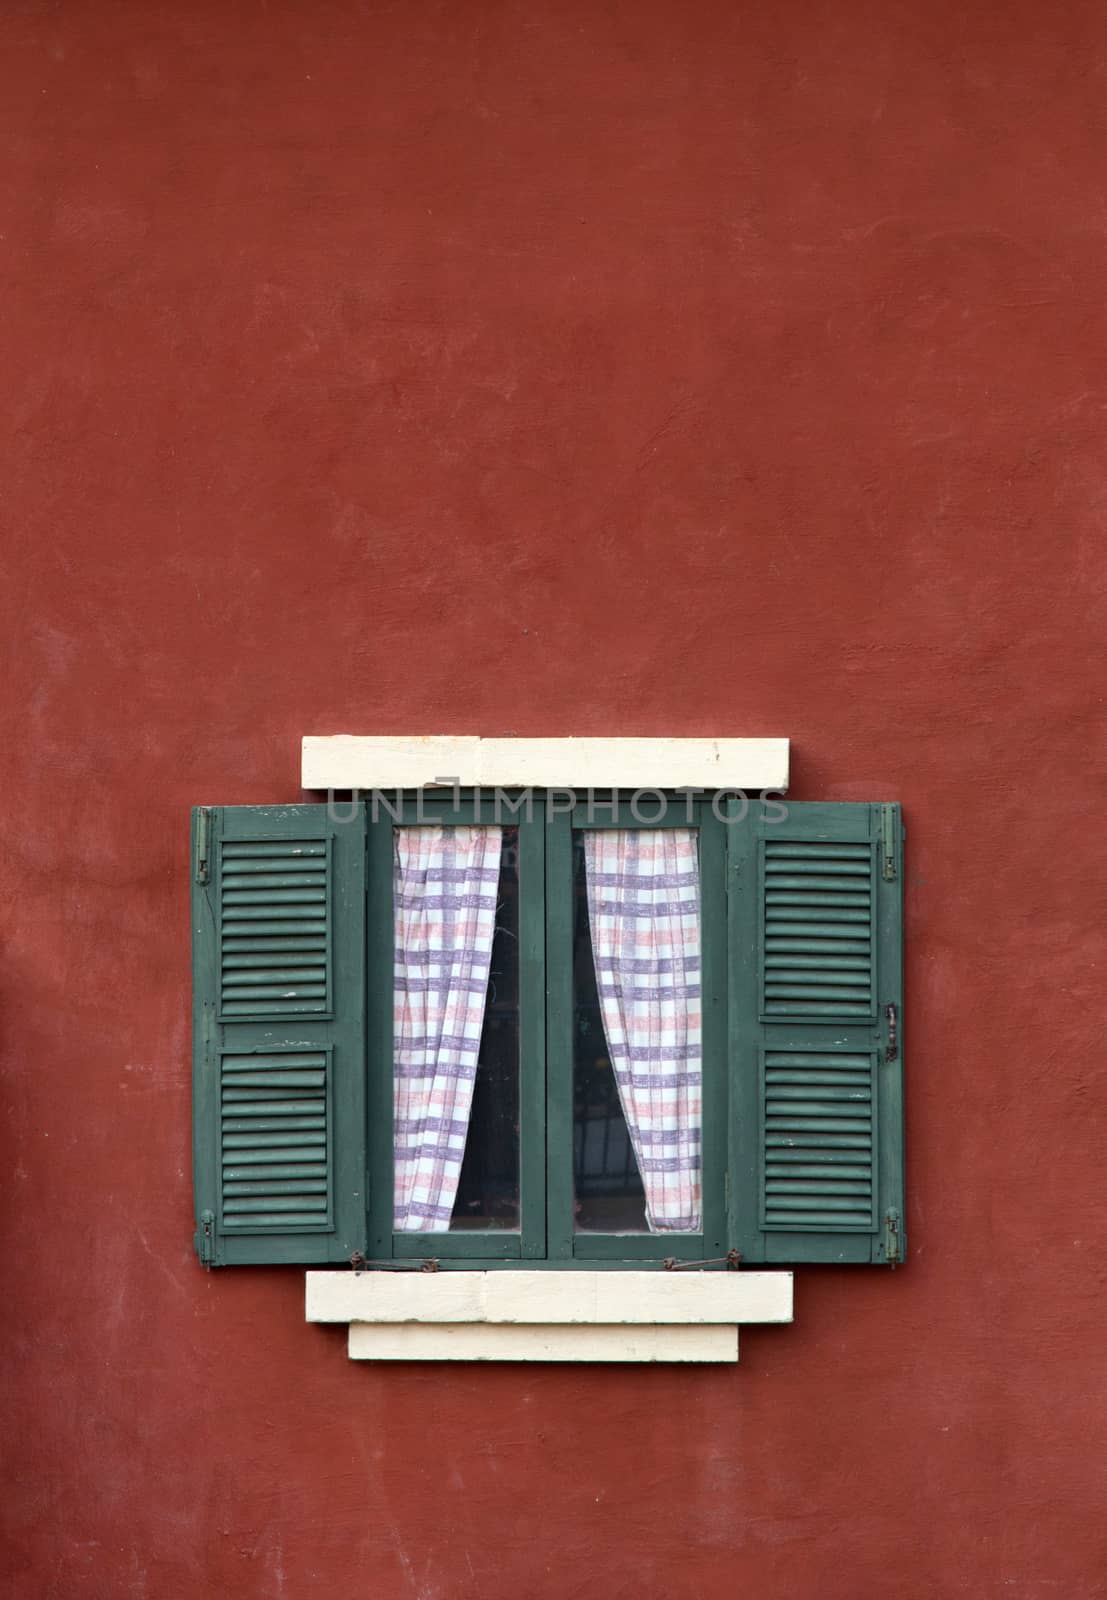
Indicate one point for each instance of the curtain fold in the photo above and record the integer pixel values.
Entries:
(445, 884)
(644, 914)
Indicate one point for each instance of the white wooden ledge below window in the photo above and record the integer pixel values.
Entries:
(547, 1316)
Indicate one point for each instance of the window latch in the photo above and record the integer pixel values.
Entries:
(361, 1263)
(732, 1261)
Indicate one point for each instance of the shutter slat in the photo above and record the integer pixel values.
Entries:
(258, 849)
(271, 897)
(288, 917)
(286, 868)
(811, 1166)
(810, 884)
(269, 1133)
(254, 935)
(272, 1185)
(236, 1208)
(789, 1184)
(787, 986)
(832, 898)
(285, 1059)
(276, 991)
(826, 850)
(824, 1092)
(248, 964)
(275, 1080)
(825, 1141)
(809, 1119)
(828, 972)
(817, 1008)
(783, 948)
(259, 1009)
(779, 916)
(827, 1203)
(783, 964)
(258, 1166)
(777, 1081)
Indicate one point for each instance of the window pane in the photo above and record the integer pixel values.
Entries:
(637, 1046)
(609, 1193)
(456, 1028)
(488, 1193)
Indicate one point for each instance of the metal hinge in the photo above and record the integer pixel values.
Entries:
(893, 1238)
(891, 1052)
(888, 841)
(205, 1238)
(203, 842)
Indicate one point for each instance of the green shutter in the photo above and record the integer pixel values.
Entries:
(278, 939)
(816, 1003)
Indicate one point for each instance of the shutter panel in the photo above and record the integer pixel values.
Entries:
(816, 1068)
(278, 922)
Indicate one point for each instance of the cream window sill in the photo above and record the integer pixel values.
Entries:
(547, 1316)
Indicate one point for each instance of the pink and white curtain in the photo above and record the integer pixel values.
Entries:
(644, 912)
(445, 883)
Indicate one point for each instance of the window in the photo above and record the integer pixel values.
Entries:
(548, 1029)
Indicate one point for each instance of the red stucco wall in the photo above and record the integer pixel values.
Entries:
(667, 367)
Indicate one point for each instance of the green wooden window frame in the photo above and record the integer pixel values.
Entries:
(802, 1033)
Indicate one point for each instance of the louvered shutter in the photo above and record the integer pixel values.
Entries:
(278, 923)
(815, 908)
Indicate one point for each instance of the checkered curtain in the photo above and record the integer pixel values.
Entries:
(643, 907)
(445, 882)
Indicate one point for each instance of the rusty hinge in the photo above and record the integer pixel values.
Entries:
(888, 840)
(205, 1238)
(893, 1238)
(203, 843)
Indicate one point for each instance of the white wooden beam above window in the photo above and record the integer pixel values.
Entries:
(350, 761)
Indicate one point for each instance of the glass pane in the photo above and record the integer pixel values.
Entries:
(488, 1193)
(456, 1028)
(637, 1071)
(609, 1193)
